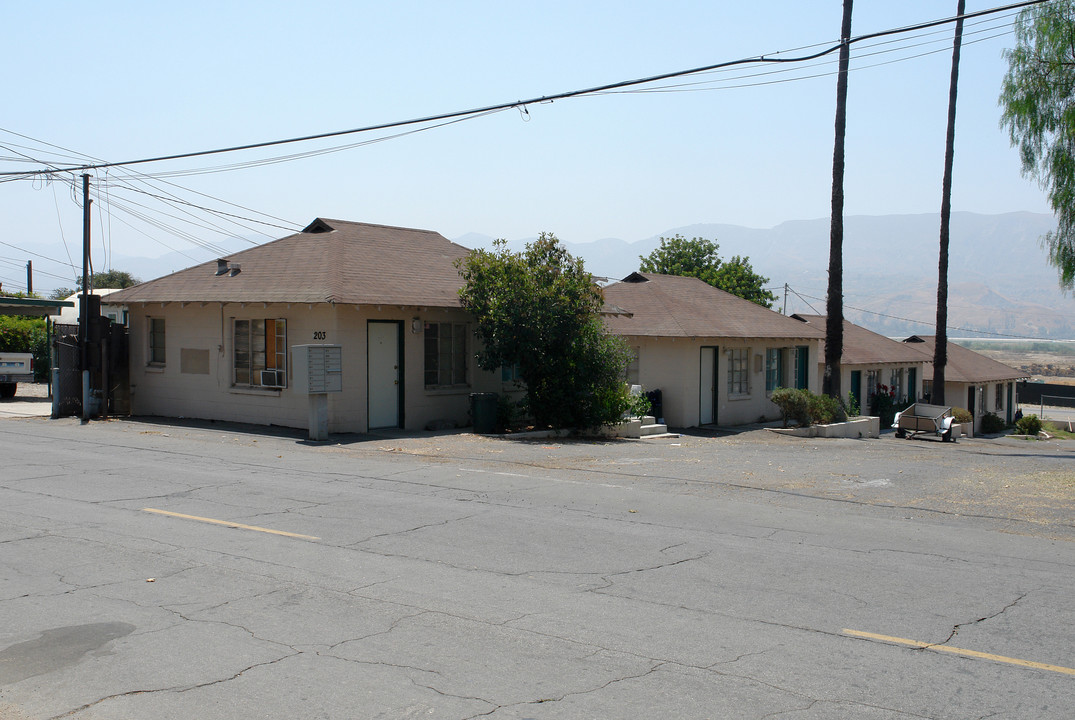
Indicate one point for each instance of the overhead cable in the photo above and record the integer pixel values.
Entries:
(761, 59)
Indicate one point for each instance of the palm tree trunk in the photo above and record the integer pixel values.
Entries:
(940, 347)
(834, 323)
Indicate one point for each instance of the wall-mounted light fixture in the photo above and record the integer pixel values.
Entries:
(416, 325)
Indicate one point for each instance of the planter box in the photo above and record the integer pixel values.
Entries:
(856, 427)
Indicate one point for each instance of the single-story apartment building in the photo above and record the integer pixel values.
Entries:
(216, 341)
(971, 380)
(870, 360)
(715, 357)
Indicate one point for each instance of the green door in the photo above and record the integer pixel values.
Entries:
(802, 367)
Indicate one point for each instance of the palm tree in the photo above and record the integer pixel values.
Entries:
(834, 324)
(940, 345)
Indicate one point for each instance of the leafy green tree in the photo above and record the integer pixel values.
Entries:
(1038, 108)
(539, 310)
(109, 279)
(26, 335)
(737, 276)
(698, 258)
(62, 293)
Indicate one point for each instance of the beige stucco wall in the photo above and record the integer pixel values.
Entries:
(675, 367)
(956, 394)
(166, 391)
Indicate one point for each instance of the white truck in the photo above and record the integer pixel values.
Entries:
(15, 368)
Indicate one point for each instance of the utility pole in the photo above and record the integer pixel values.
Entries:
(29, 277)
(785, 298)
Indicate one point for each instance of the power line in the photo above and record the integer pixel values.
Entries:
(944, 42)
(921, 322)
(465, 114)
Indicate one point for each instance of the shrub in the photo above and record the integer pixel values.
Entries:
(992, 424)
(883, 404)
(961, 415)
(794, 404)
(853, 405)
(1028, 425)
(508, 413)
(824, 409)
(806, 408)
(639, 405)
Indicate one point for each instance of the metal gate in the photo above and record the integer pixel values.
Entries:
(67, 387)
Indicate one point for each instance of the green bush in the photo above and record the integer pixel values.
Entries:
(1028, 425)
(26, 335)
(508, 413)
(793, 404)
(992, 424)
(640, 405)
(961, 415)
(883, 404)
(825, 409)
(806, 408)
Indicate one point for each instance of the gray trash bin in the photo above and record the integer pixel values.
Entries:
(483, 411)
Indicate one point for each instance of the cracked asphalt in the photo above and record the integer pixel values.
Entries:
(457, 576)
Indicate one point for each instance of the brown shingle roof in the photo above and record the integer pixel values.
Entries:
(674, 306)
(330, 261)
(964, 365)
(865, 347)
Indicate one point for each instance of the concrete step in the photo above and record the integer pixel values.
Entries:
(652, 428)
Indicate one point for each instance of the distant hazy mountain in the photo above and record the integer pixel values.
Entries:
(1000, 278)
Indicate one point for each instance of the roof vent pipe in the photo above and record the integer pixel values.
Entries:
(221, 267)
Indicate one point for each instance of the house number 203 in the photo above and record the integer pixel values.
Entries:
(320, 334)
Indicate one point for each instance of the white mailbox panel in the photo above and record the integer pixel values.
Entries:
(318, 369)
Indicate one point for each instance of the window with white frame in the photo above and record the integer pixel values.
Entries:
(738, 372)
(445, 354)
(774, 369)
(872, 381)
(156, 341)
(998, 405)
(895, 384)
(259, 352)
(927, 388)
(510, 373)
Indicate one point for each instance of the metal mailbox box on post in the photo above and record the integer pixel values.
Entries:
(316, 371)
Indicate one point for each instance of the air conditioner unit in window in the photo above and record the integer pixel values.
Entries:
(272, 378)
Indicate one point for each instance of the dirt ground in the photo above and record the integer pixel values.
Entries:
(1017, 359)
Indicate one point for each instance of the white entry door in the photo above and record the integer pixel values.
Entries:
(382, 358)
(707, 385)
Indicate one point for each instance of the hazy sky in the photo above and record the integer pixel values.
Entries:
(750, 146)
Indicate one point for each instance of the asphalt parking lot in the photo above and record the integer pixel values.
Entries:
(183, 569)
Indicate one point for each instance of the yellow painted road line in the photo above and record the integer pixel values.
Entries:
(960, 651)
(226, 523)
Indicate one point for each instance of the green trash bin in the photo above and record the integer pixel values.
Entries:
(483, 411)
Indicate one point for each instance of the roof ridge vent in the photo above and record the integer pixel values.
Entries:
(223, 267)
(318, 226)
